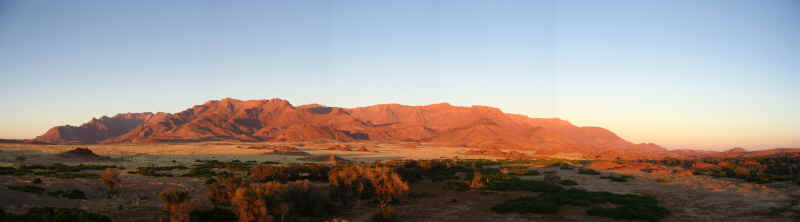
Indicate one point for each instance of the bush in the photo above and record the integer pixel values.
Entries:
(110, 178)
(252, 202)
(478, 181)
(362, 181)
(220, 193)
(37, 181)
(178, 203)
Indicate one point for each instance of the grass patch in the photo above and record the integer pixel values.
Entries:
(630, 207)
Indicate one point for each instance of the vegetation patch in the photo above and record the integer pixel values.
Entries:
(568, 182)
(156, 171)
(72, 194)
(586, 171)
(629, 207)
(516, 184)
(622, 178)
(27, 189)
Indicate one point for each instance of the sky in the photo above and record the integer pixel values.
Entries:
(681, 74)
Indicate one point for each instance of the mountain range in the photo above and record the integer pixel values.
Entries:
(278, 120)
(443, 124)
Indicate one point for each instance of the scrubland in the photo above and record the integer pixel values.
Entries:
(377, 182)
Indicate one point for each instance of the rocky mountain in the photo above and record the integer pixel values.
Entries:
(278, 120)
(96, 130)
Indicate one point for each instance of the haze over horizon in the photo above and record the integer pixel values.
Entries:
(681, 74)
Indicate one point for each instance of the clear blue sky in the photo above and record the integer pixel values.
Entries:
(683, 74)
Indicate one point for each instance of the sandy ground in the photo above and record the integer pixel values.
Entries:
(689, 197)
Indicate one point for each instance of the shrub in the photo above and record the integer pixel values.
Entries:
(178, 203)
(251, 203)
(478, 181)
(388, 185)
(110, 178)
(361, 181)
(220, 193)
(37, 181)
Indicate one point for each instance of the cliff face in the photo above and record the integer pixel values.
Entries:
(278, 120)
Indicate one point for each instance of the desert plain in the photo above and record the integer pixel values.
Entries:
(687, 197)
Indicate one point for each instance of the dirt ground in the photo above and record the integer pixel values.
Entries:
(688, 197)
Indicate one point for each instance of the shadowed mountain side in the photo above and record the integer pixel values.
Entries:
(98, 130)
(278, 120)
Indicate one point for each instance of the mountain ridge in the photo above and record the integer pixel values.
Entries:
(278, 120)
